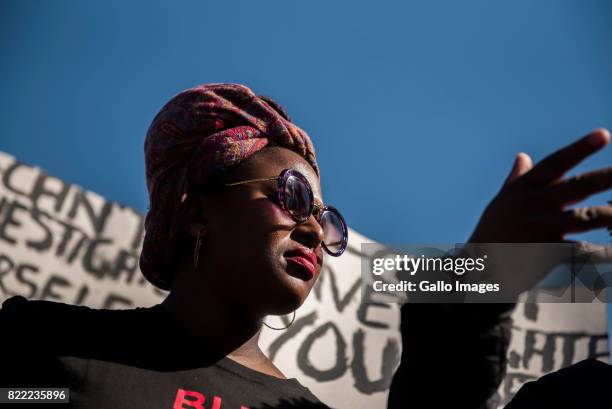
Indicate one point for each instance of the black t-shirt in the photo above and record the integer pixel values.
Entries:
(137, 358)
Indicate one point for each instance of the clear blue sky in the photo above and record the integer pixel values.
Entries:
(416, 108)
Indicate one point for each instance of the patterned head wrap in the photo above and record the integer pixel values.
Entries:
(198, 133)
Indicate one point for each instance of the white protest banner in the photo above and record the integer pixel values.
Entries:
(61, 243)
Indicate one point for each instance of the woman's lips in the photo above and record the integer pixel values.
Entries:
(304, 263)
(306, 259)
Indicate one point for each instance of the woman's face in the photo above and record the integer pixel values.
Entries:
(251, 248)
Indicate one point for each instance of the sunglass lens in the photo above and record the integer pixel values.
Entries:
(334, 231)
(298, 198)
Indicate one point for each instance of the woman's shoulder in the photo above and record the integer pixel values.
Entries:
(21, 318)
(19, 305)
(38, 315)
(61, 329)
(33, 334)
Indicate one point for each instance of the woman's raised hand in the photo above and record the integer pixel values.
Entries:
(531, 206)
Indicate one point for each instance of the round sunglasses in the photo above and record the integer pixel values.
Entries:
(294, 194)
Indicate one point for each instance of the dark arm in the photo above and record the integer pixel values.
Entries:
(454, 355)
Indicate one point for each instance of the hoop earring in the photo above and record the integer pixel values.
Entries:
(196, 253)
(279, 329)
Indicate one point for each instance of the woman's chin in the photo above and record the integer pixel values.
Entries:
(289, 298)
(288, 291)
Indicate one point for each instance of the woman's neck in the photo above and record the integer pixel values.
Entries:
(224, 331)
(221, 325)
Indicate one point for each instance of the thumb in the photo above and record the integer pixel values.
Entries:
(522, 165)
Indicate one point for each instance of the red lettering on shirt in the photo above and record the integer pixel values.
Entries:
(196, 400)
(181, 399)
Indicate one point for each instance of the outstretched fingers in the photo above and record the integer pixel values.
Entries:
(580, 187)
(555, 165)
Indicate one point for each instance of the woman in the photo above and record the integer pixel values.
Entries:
(236, 230)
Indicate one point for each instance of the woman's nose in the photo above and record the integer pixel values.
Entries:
(309, 233)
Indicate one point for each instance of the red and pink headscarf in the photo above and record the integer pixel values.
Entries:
(198, 133)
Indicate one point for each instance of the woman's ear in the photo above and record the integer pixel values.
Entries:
(197, 228)
(195, 221)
